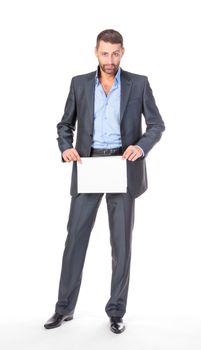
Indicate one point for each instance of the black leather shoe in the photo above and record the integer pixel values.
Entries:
(116, 324)
(56, 320)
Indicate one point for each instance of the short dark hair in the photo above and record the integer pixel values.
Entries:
(111, 36)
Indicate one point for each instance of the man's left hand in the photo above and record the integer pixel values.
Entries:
(132, 153)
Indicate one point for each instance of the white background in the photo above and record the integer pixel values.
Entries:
(43, 44)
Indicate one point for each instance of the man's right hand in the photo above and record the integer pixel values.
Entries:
(71, 155)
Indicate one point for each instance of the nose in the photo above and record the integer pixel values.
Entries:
(110, 60)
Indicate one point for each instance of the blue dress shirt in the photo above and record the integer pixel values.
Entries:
(107, 115)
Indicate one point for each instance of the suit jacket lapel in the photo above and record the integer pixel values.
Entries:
(126, 84)
(90, 93)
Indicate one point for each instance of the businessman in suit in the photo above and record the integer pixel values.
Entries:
(107, 105)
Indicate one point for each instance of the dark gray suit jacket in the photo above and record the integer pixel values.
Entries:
(136, 99)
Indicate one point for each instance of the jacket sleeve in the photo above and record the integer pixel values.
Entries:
(66, 127)
(154, 123)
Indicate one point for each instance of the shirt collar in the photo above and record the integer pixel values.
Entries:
(117, 76)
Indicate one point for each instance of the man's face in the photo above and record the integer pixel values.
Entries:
(109, 56)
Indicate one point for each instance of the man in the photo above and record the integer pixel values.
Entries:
(107, 105)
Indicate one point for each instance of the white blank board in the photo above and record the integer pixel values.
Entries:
(102, 174)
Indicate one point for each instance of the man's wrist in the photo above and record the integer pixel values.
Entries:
(142, 155)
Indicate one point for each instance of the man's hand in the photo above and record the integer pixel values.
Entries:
(132, 153)
(71, 155)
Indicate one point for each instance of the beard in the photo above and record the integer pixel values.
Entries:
(109, 68)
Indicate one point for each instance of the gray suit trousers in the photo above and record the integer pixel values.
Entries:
(82, 215)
